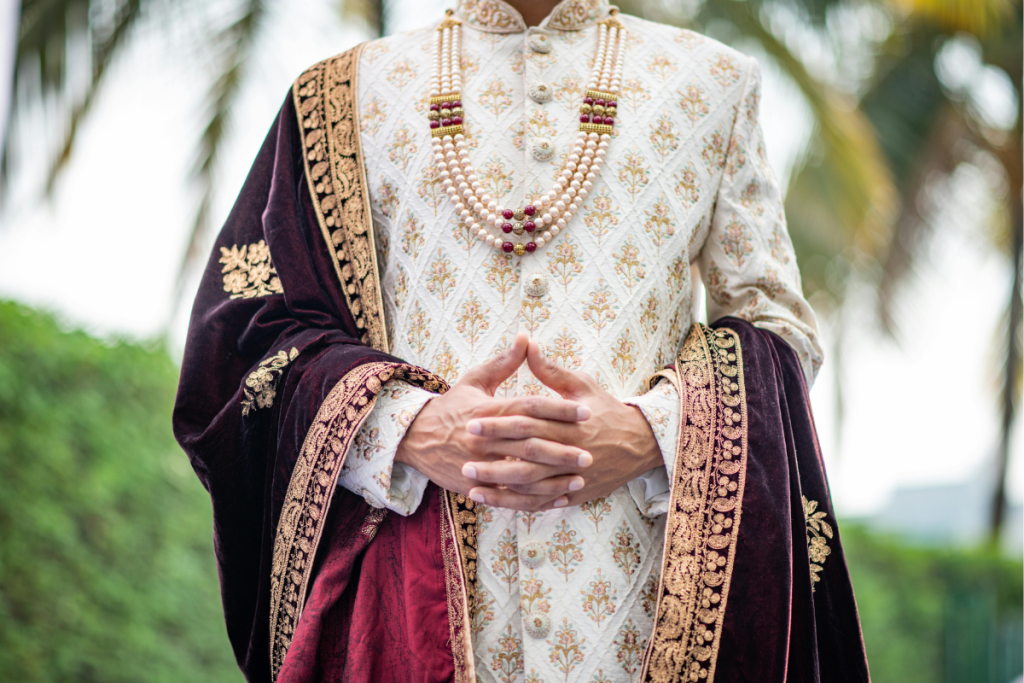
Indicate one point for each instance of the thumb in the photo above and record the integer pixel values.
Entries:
(490, 374)
(551, 374)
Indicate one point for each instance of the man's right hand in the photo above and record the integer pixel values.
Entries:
(438, 444)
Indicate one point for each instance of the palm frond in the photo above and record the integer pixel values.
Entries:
(973, 16)
(236, 41)
(852, 174)
(47, 28)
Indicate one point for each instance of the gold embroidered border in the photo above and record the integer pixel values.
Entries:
(311, 488)
(704, 512)
(458, 545)
(325, 103)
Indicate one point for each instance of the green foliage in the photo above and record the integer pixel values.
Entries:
(936, 615)
(106, 559)
(107, 570)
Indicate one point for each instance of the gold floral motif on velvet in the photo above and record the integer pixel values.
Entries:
(248, 271)
(817, 531)
(311, 488)
(332, 152)
(704, 514)
(261, 384)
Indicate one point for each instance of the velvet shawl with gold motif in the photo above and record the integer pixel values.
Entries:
(286, 352)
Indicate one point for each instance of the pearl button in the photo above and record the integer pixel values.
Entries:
(539, 42)
(533, 554)
(542, 149)
(537, 625)
(535, 285)
(540, 92)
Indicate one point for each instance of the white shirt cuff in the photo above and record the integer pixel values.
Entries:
(652, 490)
(370, 469)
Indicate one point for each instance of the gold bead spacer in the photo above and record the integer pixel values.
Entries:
(519, 250)
(445, 130)
(598, 128)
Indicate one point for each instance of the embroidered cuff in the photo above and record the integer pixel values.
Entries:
(652, 490)
(370, 468)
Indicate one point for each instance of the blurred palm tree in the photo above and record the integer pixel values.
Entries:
(887, 131)
(887, 128)
(55, 36)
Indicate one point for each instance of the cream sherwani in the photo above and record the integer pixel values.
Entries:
(567, 595)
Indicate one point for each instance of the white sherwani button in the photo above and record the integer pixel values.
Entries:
(535, 285)
(540, 92)
(539, 42)
(537, 625)
(533, 554)
(542, 149)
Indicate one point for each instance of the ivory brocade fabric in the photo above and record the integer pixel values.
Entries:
(568, 595)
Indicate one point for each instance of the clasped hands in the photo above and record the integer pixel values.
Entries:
(529, 453)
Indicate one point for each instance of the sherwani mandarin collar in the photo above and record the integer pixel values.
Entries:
(497, 16)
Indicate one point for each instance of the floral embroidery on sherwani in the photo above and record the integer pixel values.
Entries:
(684, 183)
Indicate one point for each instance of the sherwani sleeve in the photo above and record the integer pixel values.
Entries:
(370, 469)
(660, 406)
(747, 261)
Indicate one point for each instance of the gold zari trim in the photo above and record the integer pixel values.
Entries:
(311, 488)
(441, 99)
(325, 103)
(598, 128)
(458, 547)
(704, 512)
(599, 95)
(261, 384)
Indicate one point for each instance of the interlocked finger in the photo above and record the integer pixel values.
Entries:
(547, 408)
(507, 498)
(523, 427)
(541, 451)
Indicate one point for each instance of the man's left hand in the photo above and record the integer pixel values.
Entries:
(617, 436)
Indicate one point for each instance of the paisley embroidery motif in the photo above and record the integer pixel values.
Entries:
(704, 515)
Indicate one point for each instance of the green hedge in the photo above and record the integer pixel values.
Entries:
(106, 558)
(933, 615)
(106, 562)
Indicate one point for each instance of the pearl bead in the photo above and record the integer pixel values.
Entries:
(540, 241)
(583, 194)
(478, 208)
(546, 236)
(560, 205)
(482, 234)
(587, 185)
(546, 218)
(560, 223)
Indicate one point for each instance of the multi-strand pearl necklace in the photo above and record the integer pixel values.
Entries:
(536, 223)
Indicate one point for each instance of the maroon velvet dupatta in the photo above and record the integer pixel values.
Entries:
(286, 353)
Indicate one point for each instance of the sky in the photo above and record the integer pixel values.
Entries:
(104, 251)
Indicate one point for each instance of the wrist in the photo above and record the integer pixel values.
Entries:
(647, 452)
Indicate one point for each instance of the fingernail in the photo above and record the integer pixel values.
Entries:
(561, 502)
(476, 496)
(474, 427)
(576, 484)
(584, 459)
(469, 471)
(582, 413)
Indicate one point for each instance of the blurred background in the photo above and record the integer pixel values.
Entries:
(128, 128)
